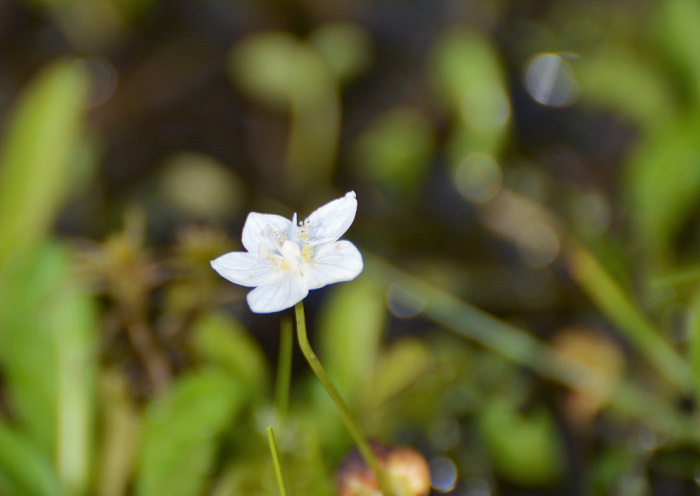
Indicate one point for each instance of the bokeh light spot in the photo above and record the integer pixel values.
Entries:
(697, 474)
(591, 213)
(198, 185)
(550, 81)
(445, 434)
(443, 474)
(478, 487)
(478, 177)
(485, 107)
(402, 303)
(104, 79)
(646, 439)
(539, 245)
(677, 322)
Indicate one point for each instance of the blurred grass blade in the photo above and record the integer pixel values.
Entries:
(27, 471)
(507, 340)
(181, 431)
(35, 161)
(617, 305)
(47, 353)
(522, 348)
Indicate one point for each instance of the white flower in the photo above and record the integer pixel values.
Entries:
(286, 259)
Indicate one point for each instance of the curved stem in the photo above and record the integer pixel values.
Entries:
(354, 430)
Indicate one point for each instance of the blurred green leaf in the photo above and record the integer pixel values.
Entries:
(399, 368)
(35, 164)
(680, 36)
(694, 339)
(396, 150)
(305, 467)
(74, 321)
(283, 72)
(525, 448)
(345, 47)
(609, 467)
(470, 81)
(181, 433)
(132, 10)
(626, 83)
(47, 327)
(120, 422)
(221, 340)
(270, 67)
(663, 184)
(350, 330)
(28, 471)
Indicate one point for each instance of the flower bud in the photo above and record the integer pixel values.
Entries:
(406, 470)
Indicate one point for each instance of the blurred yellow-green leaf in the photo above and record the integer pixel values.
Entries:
(286, 73)
(222, 341)
(608, 82)
(664, 183)
(26, 471)
(181, 433)
(525, 448)
(396, 149)
(345, 47)
(47, 331)
(470, 82)
(350, 332)
(679, 36)
(400, 366)
(35, 164)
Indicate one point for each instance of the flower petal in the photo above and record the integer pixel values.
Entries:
(254, 228)
(283, 293)
(246, 269)
(335, 262)
(330, 222)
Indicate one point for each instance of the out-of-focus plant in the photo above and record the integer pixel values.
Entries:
(47, 322)
(303, 78)
(128, 368)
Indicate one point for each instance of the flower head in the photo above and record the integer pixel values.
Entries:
(285, 259)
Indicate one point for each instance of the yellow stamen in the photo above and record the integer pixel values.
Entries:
(307, 252)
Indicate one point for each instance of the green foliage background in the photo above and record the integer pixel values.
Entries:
(528, 312)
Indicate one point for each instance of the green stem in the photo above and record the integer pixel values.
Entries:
(276, 462)
(354, 430)
(284, 369)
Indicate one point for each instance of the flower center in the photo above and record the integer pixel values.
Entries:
(303, 229)
(276, 256)
(288, 253)
(278, 260)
